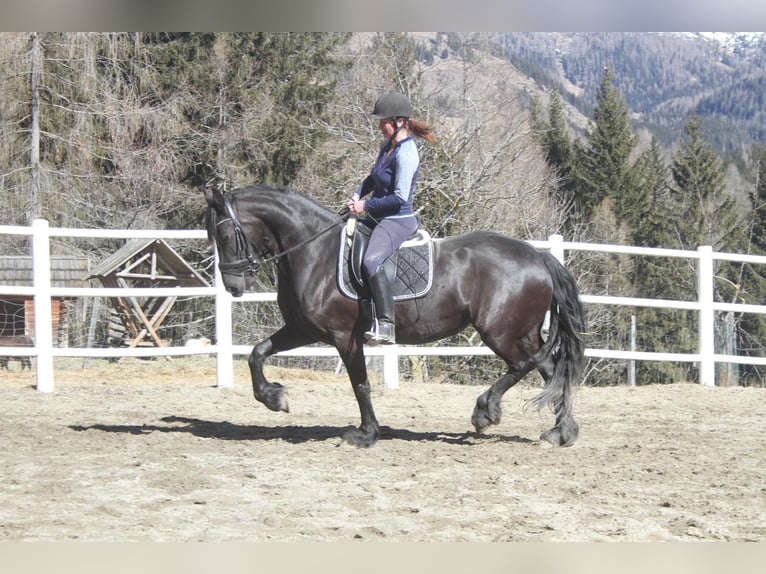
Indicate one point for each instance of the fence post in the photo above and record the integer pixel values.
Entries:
(706, 316)
(223, 340)
(632, 362)
(557, 250)
(557, 246)
(41, 273)
(391, 366)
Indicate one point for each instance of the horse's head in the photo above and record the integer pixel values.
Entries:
(242, 242)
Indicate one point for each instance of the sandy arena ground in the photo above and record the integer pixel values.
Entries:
(153, 451)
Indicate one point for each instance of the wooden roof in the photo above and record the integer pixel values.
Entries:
(148, 260)
(65, 271)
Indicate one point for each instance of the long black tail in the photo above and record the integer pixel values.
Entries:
(565, 341)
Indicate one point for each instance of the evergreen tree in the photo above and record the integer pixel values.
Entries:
(751, 332)
(604, 163)
(702, 213)
(556, 140)
(603, 183)
(647, 221)
(646, 214)
(277, 86)
(139, 119)
(758, 204)
(557, 145)
(657, 277)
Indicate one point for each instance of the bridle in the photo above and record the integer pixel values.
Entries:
(248, 261)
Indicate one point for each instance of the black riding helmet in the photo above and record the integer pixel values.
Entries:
(392, 105)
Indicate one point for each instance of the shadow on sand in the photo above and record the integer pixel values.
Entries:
(225, 430)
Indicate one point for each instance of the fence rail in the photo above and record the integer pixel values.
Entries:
(42, 292)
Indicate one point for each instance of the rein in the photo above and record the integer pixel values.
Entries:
(250, 262)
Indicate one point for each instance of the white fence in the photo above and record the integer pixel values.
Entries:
(42, 292)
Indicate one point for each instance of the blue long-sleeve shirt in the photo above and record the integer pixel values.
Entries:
(392, 181)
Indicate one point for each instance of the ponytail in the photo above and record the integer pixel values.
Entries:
(421, 130)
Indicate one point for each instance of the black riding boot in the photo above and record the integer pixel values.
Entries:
(382, 330)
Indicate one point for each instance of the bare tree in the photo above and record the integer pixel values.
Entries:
(485, 155)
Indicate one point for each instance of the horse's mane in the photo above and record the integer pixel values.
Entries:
(288, 192)
(211, 220)
(250, 191)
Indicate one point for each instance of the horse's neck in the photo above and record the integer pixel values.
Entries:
(289, 219)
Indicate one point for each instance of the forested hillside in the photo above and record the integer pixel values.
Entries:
(609, 138)
(663, 78)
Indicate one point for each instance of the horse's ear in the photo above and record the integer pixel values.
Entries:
(213, 196)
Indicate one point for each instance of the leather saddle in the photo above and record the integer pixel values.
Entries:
(410, 269)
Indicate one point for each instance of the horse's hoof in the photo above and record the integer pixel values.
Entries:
(479, 427)
(481, 421)
(552, 437)
(280, 403)
(486, 413)
(360, 438)
(556, 437)
(275, 398)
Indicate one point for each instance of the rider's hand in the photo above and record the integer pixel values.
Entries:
(355, 206)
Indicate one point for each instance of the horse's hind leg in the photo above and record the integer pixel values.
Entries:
(488, 410)
(566, 430)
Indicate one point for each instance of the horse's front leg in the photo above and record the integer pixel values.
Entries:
(273, 394)
(368, 432)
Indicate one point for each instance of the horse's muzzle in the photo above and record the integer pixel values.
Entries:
(234, 283)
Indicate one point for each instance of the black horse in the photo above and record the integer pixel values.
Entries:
(501, 286)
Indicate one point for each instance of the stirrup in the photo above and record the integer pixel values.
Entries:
(381, 333)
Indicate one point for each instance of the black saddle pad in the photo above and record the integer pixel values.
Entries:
(414, 268)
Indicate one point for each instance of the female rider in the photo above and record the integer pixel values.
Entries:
(388, 210)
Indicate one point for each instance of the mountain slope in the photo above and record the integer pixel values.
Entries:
(663, 78)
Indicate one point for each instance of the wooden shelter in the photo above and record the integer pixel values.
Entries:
(17, 316)
(144, 263)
